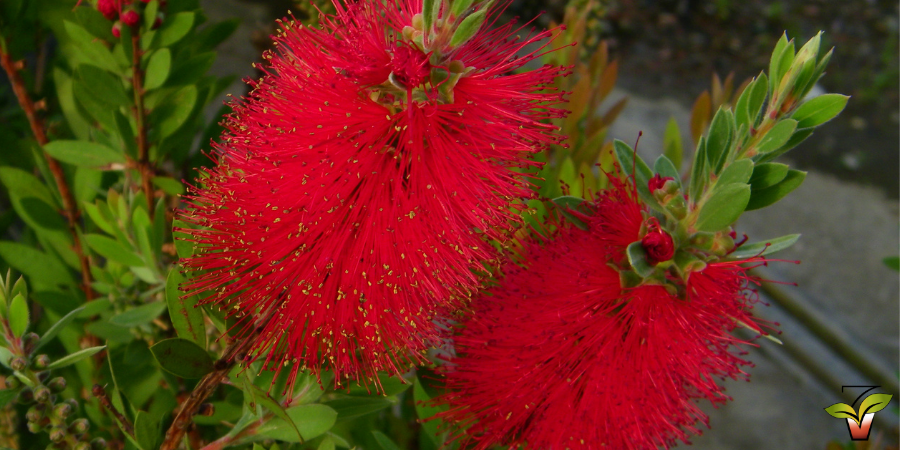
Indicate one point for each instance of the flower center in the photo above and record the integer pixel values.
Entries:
(409, 66)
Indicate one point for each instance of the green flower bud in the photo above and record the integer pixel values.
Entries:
(57, 384)
(80, 426)
(41, 361)
(29, 341)
(57, 434)
(82, 446)
(42, 394)
(34, 427)
(12, 382)
(26, 396)
(62, 410)
(35, 414)
(98, 444)
(18, 363)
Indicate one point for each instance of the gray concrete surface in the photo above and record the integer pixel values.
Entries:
(847, 230)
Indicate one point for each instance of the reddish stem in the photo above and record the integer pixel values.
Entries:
(137, 83)
(37, 128)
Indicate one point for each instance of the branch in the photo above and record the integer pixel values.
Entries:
(37, 129)
(204, 388)
(137, 83)
(100, 394)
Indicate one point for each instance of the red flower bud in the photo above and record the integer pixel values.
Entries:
(131, 18)
(117, 29)
(658, 244)
(108, 9)
(657, 182)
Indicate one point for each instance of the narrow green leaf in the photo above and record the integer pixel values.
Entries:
(57, 327)
(666, 168)
(637, 257)
(212, 35)
(795, 140)
(93, 52)
(182, 358)
(158, 69)
(113, 250)
(468, 28)
(174, 28)
(190, 71)
(174, 111)
(104, 223)
(139, 315)
(458, 7)
(736, 172)
(566, 204)
(183, 247)
(147, 430)
(777, 136)
(765, 247)
(430, 10)
(719, 138)
(757, 99)
(36, 264)
(632, 163)
(819, 110)
(187, 318)
(84, 153)
(426, 410)
(103, 86)
(893, 262)
(672, 146)
(18, 316)
(383, 441)
(724, 207)
(351, 406)
(326, 444)
(767, 174)
(5, 356)
(311, 420)
(699, 170)
(7, 395)
(770, 195)
(775, 61)
(168, 185)
(75, 357)
(150, 12)
(262, 398)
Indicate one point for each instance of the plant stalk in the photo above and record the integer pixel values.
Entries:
(68, 199)
(146, 171)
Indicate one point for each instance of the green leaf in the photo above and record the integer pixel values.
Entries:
(468, 28)
(183, 247)
(781, 60)
(147, 430)
(874, 403)
(672, 147)
(93, 52)
(390, 385)
(637, 257)
(724, 207)
(770, 195)
(102, 85)
(351, 406)
(765, 247)
(699, 170)
(139, 315)
(113, 250)
(795, 140)
(777, 136)
(187, 318)
(168, 185)
(842, 411)
(819, 110)
(632, 163)
(311, 420)
(158, 69)
(256, 395)
(84, 153)
(174, 28)
(7, 395)
(57, 327)
(175, 110)
(36, 264)
(458, 7)
(767, 174)
(425, 410)
(5, 356)
(190, 71)
(892, 262)
(150, 12)
(75, 357)
(719, 138)
(666, 168)
(736, 172)
(182, 358)
(566, 204)
(430, 10)
(18, 316)
(212, 35)
(383, 441)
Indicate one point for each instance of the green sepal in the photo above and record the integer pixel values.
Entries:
(637, 258)
(686, 263)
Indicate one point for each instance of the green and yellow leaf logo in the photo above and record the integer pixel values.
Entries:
(872, 404)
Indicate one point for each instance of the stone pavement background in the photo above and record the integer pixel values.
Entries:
(847, 230)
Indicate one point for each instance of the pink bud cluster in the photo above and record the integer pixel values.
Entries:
(127, 13)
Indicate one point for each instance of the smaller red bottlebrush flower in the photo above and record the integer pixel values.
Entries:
(657, 243)
(558, 355)
(117, 29)
(109, 9)
(130, 17)
(657, 182)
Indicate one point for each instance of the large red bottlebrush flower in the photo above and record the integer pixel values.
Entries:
(560, 356)
(359, 186)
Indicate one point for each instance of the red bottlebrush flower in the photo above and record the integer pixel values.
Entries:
(657, 243)
(657, 182)
(131, 17)
(356, 212)
(109, 8)
(559, 355)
